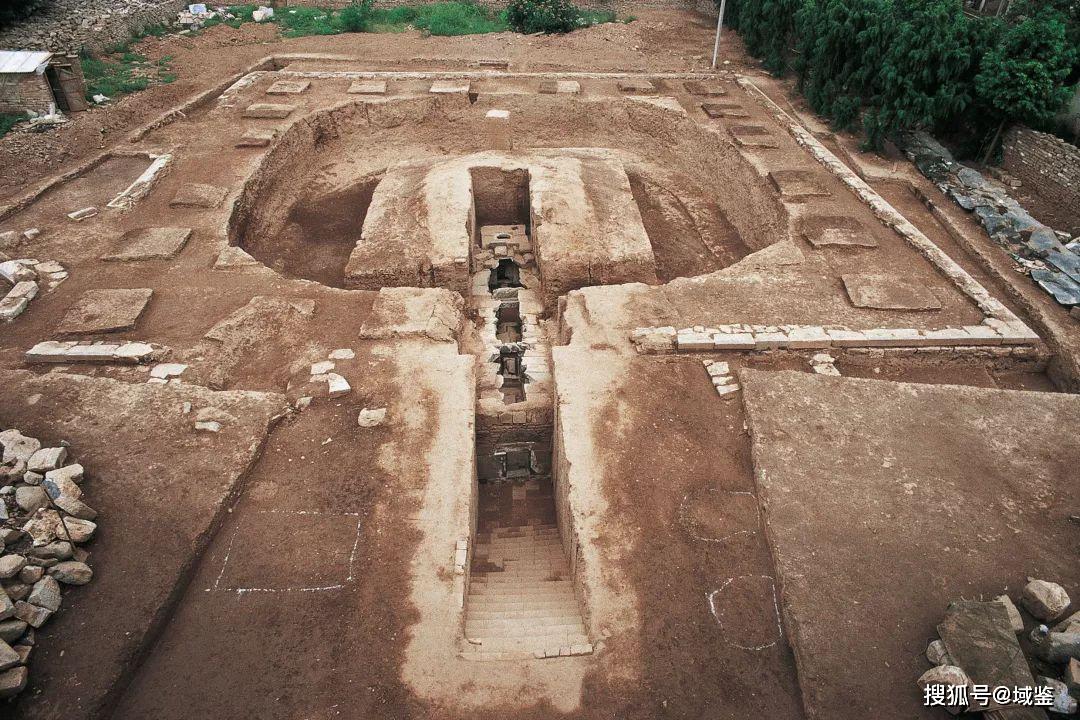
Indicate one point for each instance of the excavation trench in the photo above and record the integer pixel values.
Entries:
(522, 600)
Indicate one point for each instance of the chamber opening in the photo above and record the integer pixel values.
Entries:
(506, 274)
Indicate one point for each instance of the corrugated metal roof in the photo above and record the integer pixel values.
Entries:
(22, 61)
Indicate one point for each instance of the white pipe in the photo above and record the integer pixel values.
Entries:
(719, 24)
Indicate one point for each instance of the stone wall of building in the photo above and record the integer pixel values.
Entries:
(1047, 165)
(25, 91)
(74, 25)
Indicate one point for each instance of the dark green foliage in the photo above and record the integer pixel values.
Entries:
(14, 10)
(1022, 77)
(920, 81)
(8, 121)
(910, 64)
(122, 73)
(547, 16)
(355, 17)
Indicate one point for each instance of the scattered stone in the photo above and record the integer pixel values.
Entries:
(7, 606)
(31, 234)
(79, 531)
(75, 506)
(371, 418)
(83, 214)
(322, 368)
(210, 426)
(337, 385)
(1063, 702)
(167, 370)
(31, 574)
(56, 550)
(198, 195)
(8, 657)
(42, 527)
(12, 629)
(33, 615)
(11, 565)
(948, 675)
(45, 594)
(1055, 647)
(13, 681)
(71, 473)
(108, 310)
(153, 243)
(303, 402)
(1045, 600)
(937, 654)
(46, 459)
(18, 446)
(1072, 674)
(72, 572)
(30, 498)
(342, 354)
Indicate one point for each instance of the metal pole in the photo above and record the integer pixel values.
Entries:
(719, 24)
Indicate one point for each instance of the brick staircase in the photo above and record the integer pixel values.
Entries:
(521, 601)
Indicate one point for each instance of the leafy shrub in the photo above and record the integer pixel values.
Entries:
(355, 17)
(547, 16)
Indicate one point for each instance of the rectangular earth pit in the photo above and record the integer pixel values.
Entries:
(724, 110)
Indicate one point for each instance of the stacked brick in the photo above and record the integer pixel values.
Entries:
(1047, 165)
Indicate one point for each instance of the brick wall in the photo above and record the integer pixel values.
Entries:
(1048, 166)
(25, 91)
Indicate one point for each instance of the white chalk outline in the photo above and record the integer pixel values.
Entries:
(690, 526)
(243, 590)
(710, 597)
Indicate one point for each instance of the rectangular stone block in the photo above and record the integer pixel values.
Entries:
(843, 337)
(983, 335)
(693, 341)
(271, 111)
(891, 337)
(734, 341)
(367, 87)
(808, 336)
(288, 87)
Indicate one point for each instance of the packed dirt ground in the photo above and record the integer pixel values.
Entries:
(589, 383)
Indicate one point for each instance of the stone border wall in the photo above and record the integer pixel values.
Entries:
(1047, 164)
(72, 25)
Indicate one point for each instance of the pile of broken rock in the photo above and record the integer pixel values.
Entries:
(984, 662)
(43, 521)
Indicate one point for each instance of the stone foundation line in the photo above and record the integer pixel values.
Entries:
(142, 184)
(888, 215)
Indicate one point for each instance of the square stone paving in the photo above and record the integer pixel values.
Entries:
(635, 85)
(198, 195)
(367, 87)
(886, 292)
(450, 87)
(153, 243)
(560, 87)
(273, 111)
(288, 87)
(724, 110)
(256, 138)
(797, 185)
(697, 87)
(753, 136)
(101, 311)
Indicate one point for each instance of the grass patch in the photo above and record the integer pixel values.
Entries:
(8, 121)
(123, 72)
(442, 18)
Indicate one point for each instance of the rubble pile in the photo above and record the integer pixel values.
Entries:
(26, 277)
(1051, 258)
(43, 524)
(984, 662)
(70, 25)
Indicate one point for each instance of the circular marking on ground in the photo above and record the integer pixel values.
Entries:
(715, 516)
(747, 611)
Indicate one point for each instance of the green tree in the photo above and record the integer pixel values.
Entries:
(12, 10)
(920, 81)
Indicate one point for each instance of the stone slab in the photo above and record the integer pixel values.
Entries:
(560, 87)
(270, 111)
(367, 87)
(450, 87)
(153, 243)
(840, 237)
(885, 502)
(288, 87)
(797, 185)
(724, 110)
(636, 86)
(119, 431)
(757, 136)
(198, 195)
(887, 292)
(256, 138)
(105, 310)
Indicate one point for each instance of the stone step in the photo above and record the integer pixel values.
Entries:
(538, 587)
(515, 578)
(566, 609)
(474, 624)
(527, 644)
(526, 629)
(505, 604)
